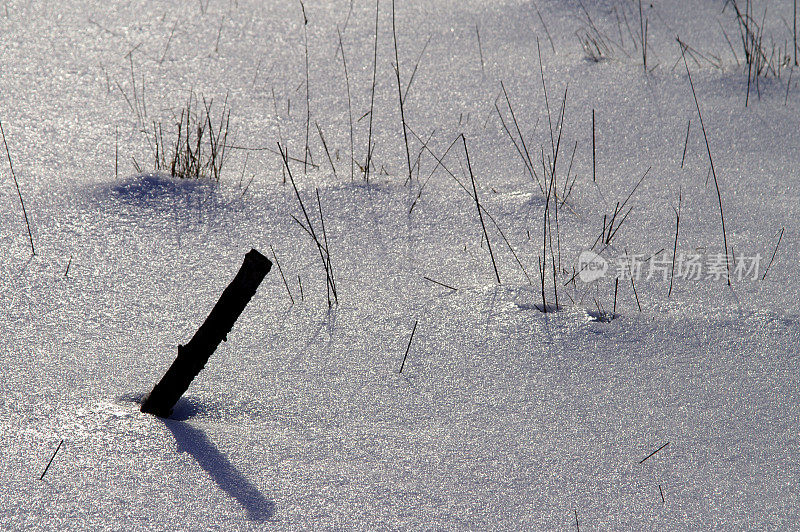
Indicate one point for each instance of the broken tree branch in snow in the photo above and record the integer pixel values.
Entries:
(193, 356)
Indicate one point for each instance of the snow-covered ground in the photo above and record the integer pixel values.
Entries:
(504, 417)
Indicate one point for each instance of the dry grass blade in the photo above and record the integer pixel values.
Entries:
(546, 31)
(527, 158)
(329, 265)
(436, 167)
(686, 142)
(440, 163)
(349, 107)
(480, 48)
(780, 237)
(675, 247)
(308, 227)
(711, 161)
(408, 347)
(400, 94)
(439, 283)
(480, 213)
(280, 270)
(654, 452)
(308, 93)
(568, 191)
(368, 161)
(528, 167)
(325, 145)
(16, 184)
(51, 459)
(594, 159)
(416, 65)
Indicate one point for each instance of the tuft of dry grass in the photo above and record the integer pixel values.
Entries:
(198, 148)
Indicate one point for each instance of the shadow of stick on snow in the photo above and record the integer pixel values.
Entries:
(221, 470)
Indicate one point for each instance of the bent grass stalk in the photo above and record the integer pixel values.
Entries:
(711, 161)
(309, 228)
(416, 65)
(440, 161)
(675, 247)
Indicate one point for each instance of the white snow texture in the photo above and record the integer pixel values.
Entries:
(504, 417)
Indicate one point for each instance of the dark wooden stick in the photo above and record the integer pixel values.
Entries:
(193, 356)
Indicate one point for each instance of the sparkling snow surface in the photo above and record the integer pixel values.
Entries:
(504, 417)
